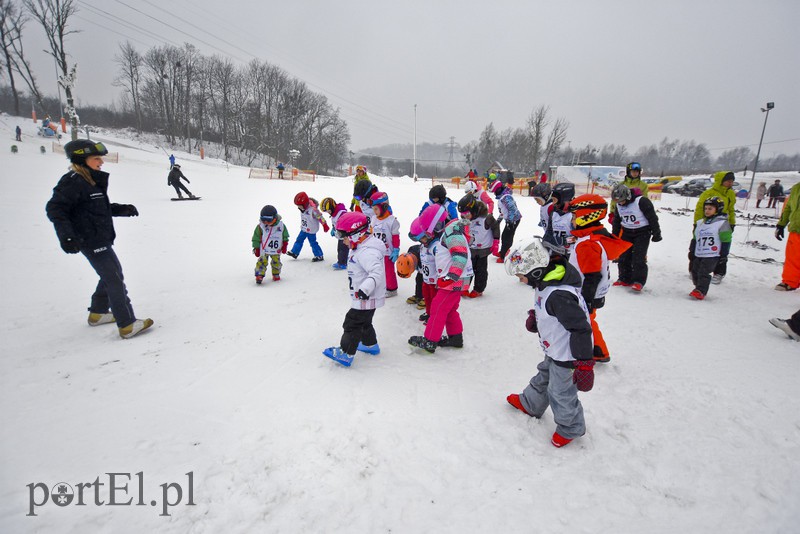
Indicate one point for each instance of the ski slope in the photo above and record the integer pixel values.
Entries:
(693, 426)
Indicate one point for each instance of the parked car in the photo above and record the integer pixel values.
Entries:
(673, 186)
(693, 188)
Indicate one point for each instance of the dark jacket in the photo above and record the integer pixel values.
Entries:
(175, 176)
(775, 191)
(565, 306)
(82, 211)
(650, 214)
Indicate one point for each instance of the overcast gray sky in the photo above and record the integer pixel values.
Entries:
(625, 72)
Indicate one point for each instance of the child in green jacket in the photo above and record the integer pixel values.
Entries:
(270, 239)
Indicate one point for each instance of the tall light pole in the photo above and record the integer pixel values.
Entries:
(415, 142)
(770, 105)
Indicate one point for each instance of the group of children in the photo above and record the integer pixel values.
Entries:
(569, 268)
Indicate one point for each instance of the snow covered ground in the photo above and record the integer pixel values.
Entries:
(694, 425)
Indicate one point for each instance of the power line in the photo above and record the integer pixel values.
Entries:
(755, 144)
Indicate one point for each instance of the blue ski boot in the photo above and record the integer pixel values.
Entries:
(338, 355)
(369, 349)
(339, 266)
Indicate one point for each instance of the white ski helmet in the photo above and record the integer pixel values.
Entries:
(471, 187)
(526, 257)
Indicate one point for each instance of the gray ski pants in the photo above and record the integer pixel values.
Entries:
(553, 387)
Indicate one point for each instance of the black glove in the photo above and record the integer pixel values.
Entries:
(361, 295)
(779, 232)
(722, 260)
(656, 238)
(127, 210)
(187, 180)
(598, 303)
(733, 227)
(530, 322)
(70, 246)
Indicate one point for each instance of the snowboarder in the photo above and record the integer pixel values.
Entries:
(82, 216)
(270, 239)
(561, 319)
(636, 222)
(174, 179)
(367, 279)
(710, 244)
(310, 219)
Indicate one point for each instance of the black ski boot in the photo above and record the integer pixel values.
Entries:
(423, 343)
(456, 341)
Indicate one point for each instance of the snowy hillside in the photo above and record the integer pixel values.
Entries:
(693, 426)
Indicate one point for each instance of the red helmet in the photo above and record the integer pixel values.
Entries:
(588, 209)
(301, 199)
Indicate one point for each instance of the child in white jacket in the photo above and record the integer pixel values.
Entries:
(367, 279)
(310, 219)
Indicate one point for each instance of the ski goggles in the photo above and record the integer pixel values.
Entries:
(636, 167)
(268, 220)
(97, 149)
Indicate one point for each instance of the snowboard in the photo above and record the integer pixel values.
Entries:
(186, 198)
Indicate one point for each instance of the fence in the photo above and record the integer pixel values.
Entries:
(288, 174)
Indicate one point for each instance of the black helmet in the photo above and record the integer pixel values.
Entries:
(79, 149)
(363, 189)
(438, 192)
(467, 203)
(269, 214)
(621, 193)
(542, 191)
(716, 202)
(564, 192)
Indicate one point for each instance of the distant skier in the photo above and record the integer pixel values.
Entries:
(174, 179)
(281, 167)
(19, 134)
(171, 160)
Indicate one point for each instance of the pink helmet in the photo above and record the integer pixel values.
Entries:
(429, 223)
(354, 225)
(495, 186)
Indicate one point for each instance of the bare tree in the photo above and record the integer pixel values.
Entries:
(735, 158)
(130, 76)
(54, 17)
(535, 125)
(12, 22)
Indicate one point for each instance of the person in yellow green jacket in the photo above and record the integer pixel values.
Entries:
(722, 188)
(361, 174)
(633, 179)
(790, 278)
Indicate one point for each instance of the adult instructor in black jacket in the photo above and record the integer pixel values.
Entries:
(82, 216)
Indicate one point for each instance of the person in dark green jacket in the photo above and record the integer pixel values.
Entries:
(722, 188)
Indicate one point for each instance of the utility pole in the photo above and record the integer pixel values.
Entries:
(451, 162)
(415, 142)
(770, 105)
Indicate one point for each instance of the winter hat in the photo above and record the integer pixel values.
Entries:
(496, 187)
